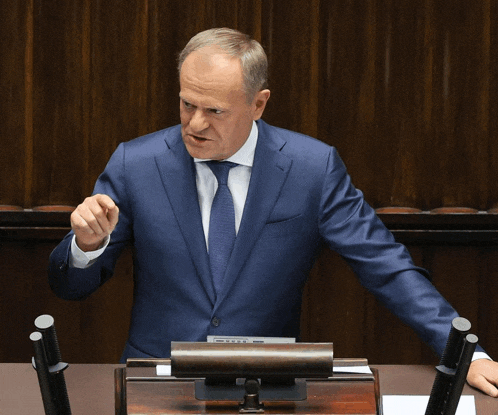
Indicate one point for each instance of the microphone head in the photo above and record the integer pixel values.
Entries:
(461, 324)
(44, 321)
(35, 336)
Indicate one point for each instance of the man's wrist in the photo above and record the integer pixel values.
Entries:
(81, 259)
(480, 355)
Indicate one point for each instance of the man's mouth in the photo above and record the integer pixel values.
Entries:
(198, 138)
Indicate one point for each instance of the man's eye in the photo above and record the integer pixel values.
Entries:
(187, 105)
(215, 111)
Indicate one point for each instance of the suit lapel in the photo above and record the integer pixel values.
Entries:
(269, 172)
(177, 172)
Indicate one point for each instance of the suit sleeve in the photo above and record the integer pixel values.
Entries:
(352, 229)
(74, 283)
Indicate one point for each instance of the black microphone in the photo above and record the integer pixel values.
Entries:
(49, 367)
(452, 370)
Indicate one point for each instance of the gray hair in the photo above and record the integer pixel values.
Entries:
(239, 45)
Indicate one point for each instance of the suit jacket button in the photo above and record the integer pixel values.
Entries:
(215, 321)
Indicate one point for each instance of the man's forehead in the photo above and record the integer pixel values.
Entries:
(214, 77)
(212, 61)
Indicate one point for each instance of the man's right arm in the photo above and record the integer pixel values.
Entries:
(92, 222)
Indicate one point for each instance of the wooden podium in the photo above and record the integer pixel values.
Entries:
(139, 390)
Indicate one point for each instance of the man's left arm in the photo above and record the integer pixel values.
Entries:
(385, 268)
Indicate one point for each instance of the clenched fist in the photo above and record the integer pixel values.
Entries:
(93, 220)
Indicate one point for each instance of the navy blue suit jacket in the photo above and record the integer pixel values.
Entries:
(299, 197)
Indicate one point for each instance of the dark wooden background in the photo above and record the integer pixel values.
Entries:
(407, 90)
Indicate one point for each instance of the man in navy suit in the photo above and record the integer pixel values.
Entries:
(289, 194)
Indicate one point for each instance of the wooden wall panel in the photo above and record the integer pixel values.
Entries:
(406, 90)
(90, 331)
(58, 143)
(461, 257)
(409, 92)
(336, 307)
(293, 65)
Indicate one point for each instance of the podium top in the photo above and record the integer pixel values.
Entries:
(255, 360)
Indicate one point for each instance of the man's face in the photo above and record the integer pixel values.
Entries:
(215, 113)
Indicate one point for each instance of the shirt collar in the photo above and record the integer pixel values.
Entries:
(245, 154)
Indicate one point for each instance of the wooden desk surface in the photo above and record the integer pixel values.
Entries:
(91, 388)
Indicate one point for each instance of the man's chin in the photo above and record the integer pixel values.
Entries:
(200, 152)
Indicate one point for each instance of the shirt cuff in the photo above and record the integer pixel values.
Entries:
(80, 259)
(480, 355)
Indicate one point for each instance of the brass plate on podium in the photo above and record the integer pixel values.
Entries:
(138, 391)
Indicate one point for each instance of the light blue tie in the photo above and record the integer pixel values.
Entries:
(221, 223)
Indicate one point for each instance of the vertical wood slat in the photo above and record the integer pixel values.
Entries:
(86, 105)
(57, 97)
(14, 120)
(28, 105)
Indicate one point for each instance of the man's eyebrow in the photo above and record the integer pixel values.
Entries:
(186, 101)
(209, 108)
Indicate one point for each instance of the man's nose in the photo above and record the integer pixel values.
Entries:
(198, 122)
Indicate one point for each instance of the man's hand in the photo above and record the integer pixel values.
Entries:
(93, 221)
(483, 375)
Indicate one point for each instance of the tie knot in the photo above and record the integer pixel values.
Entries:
(221, 169)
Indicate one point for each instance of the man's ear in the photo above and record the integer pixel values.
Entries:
(259, 103)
